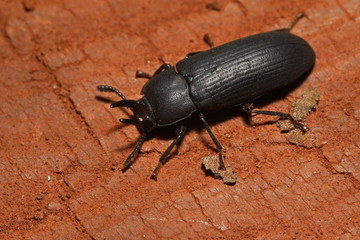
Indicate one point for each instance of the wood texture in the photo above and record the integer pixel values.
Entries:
(61, 146)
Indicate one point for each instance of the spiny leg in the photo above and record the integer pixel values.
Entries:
(105, 88)
(293, 22)
(180, 133)
(249, 108)
(141, 74)
(137, 148)
(213, 138)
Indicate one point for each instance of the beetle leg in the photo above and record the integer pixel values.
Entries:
(208, 40)
(249, 108)
(180, 133)
(142, 74)
(192, 54)
(137, 148)
(293, 22)
(213, 138)
(163, 67)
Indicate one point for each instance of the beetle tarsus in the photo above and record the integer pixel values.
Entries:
(213, 138)
(180, 133)
(249, 108)
(221, 159)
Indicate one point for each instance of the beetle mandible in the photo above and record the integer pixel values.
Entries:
(233, 74)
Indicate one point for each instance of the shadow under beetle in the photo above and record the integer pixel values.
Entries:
(233, 74)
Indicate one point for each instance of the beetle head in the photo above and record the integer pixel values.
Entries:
(143, 116)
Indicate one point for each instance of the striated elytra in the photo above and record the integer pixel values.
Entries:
(233, 74)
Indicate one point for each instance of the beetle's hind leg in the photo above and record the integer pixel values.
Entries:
(180, 133)
(249, 108)
(207, 40)
(213, 138)
(141, 74)
(293, 22)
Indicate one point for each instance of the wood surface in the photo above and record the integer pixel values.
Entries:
(61, 146)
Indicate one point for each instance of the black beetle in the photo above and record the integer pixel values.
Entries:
(226, 76)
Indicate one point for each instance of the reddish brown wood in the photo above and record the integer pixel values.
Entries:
(61, 147)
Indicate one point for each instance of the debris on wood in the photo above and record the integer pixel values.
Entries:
(302, 139)
(300, 110)
(285, 125)
(302, 107)
(211, 164)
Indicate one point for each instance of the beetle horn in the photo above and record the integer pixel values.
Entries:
(125, 103)
(131, 121)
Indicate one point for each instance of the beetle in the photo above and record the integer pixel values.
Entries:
(232, 74)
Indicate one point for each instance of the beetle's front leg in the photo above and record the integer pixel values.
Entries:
(249, 108)
(141, 74)
(134, 152)
(218, 145)
(180, 133)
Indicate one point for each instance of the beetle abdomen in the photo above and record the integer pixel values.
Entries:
(244, 69)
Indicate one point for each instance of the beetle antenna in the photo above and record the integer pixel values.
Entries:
(125, 103)
(137, 148)
(105, 88)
